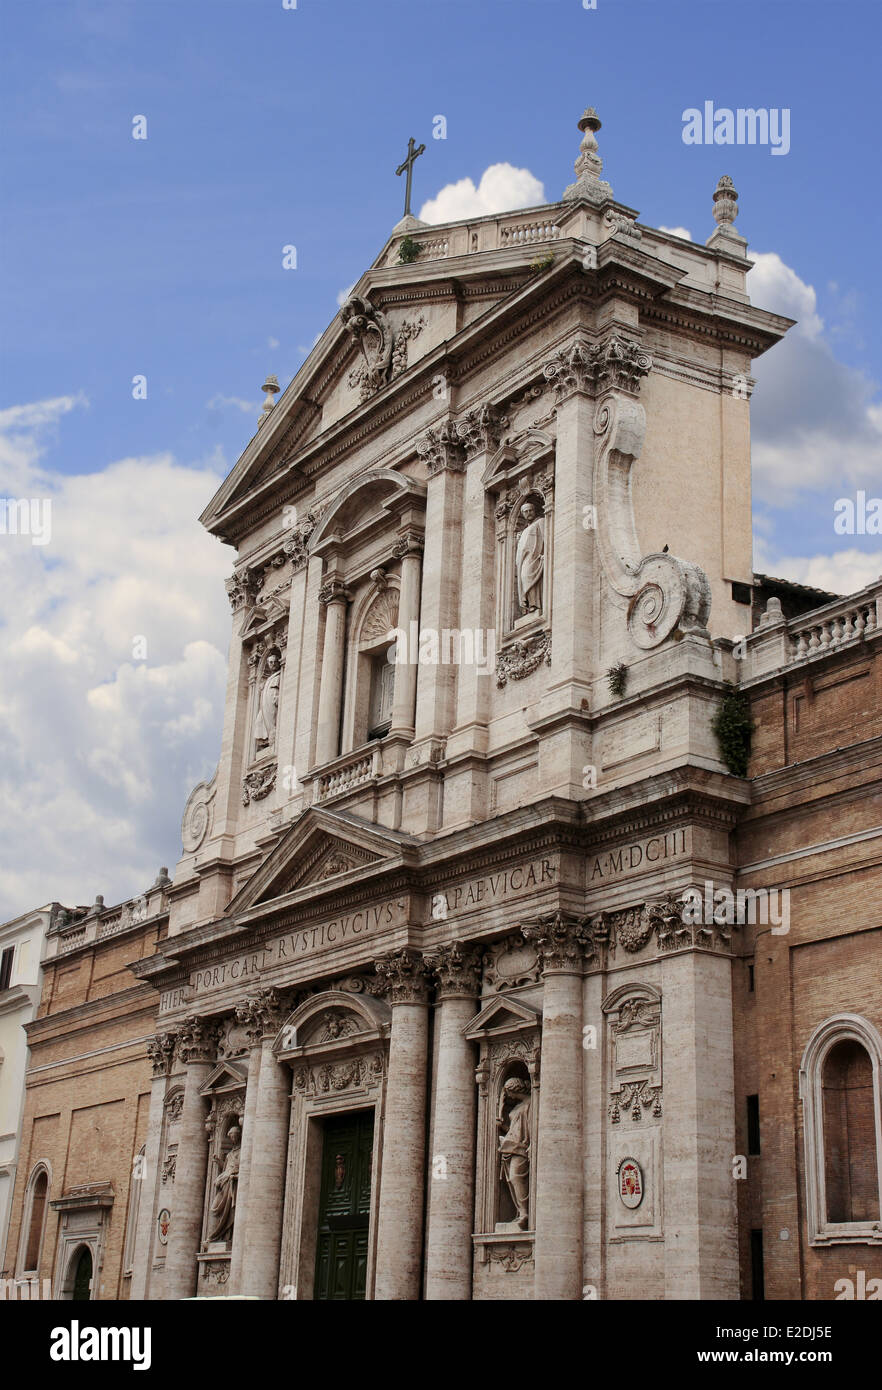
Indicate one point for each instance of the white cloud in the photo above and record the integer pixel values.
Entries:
(98, 750)
(502, 188)
(815, 424)
(845, 572)
(219, 402)
(677, 231)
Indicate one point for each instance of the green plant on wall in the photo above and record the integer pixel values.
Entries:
(617, 678)
(408, 251)
(733, 726)
(543, 263)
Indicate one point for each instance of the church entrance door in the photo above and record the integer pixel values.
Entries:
(344, 1206)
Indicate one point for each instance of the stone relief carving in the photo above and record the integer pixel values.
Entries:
(635, 1055)
(168, 1167)
(326, 1078)
(196, 820)
(513, 1122)
(383, 350)
(509, 963)
(481, 429)
(174, 1104)
(522, 658)
(258, 784)
(161, 1051)
(442, 448)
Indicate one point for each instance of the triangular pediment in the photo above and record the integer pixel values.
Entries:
(503, 1014)
(320, 849)
(226, 1076)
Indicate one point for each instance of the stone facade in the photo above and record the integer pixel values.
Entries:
(81, 1169)
(438, 1016)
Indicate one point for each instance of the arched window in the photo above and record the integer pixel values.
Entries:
(35, 1219)
(839, 1081)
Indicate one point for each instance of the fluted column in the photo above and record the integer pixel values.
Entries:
(261, 1216)
(452, 1172)
(161, 1051)
(402, 1183)
(197, 1044)
(335, 597)
(560, 943)
(410, 550)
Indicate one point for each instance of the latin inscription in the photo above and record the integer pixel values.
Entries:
(495, 886)
(630, 857)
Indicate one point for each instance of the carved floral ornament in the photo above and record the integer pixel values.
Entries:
(617, 364)
(452, 443)
(261, 1015)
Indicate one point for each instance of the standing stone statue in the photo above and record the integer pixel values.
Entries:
(530, 560)
(268, 704)
(514, 1150)
(223, 1206)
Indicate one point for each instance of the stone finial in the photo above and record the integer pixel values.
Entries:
(589, 185)
(272, 388)
(725, 202)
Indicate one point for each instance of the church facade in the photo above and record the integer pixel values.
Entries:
(434, 1020)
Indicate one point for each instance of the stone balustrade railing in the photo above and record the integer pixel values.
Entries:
(777, 643)
(71, 940)
(347, 773)
(484, 234)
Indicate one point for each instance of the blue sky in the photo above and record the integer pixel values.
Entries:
(268, 127)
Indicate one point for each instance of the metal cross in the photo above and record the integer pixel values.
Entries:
(412, 154)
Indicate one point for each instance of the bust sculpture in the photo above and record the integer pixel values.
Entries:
(514, 1150)
(223, 1206)
(268, 704)
(530, 560)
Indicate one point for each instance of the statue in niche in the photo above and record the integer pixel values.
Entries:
(530, 560)
(223, 1206)
(514, 1149)
(268, 704)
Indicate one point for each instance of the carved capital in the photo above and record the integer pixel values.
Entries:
(570, 370)
(261, 1015)
(403, 977)
(334, 591)
(457, 970)
(161, 1051)
(197, 1040)
(412, 543)
(618, 364)
(481, 429)
(442, 448)
(561, 942)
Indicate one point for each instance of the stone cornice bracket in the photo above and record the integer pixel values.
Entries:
(411, 543)
(661, 593)
(481, 429)
(161, 1051)
(261, 1015)
(197, 1040)
(334, 591)
(561, 942)
(441, 448)
(404, 977)
(457, 971)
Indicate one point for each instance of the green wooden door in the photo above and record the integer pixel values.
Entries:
(344, 1207)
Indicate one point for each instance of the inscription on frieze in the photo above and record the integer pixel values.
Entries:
(627, 859)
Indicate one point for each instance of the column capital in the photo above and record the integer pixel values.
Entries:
(442, 449)
(403, 977)
(334, 591)
(457, 970)
(616, 364)
(560, 941)
(161, 1051)
(411, 543)
(481, 429)
(261, 1014)
(197, 1040)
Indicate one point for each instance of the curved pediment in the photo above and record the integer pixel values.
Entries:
(376, 495)
(331, 1022)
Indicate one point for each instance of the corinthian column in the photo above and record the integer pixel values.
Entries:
(400, 1217)
(161, 1051)
(335, 597)
(410, 550)
(452, 1180)
(559, 1179)
(197, 1043)
(261, 1216)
